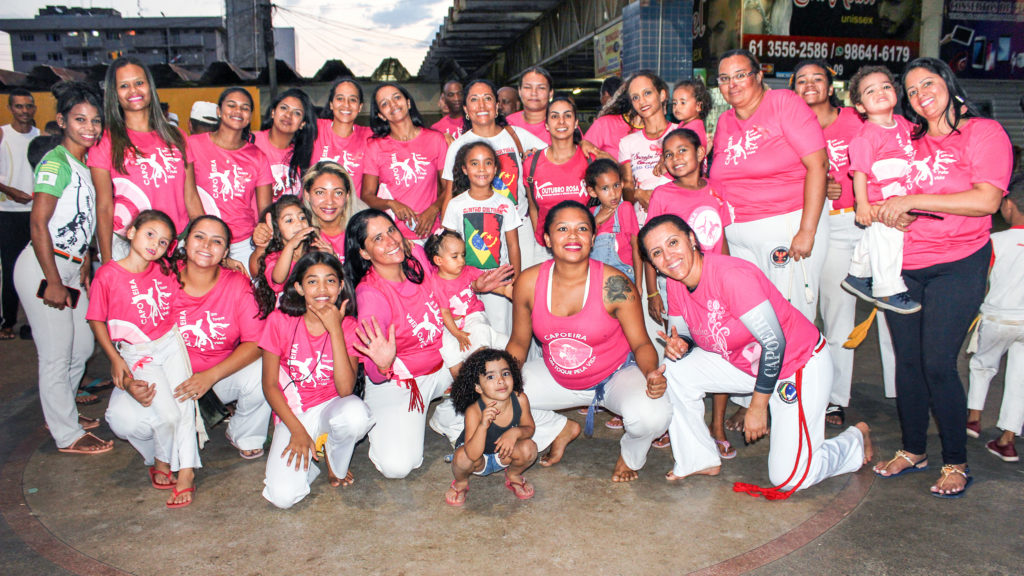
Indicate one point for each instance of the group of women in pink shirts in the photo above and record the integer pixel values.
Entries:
(634, 232)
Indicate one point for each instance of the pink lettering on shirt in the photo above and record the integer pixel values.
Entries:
(643, 154)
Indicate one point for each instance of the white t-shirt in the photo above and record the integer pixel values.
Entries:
(15, 171)
(483, 224)
(509, 180)
(1005, 299)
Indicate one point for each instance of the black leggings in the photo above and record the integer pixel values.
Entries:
(14, 236)
(927, 345)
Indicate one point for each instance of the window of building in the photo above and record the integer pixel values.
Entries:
(26, 37)
(113, 35)
(28, 56)
(54, 56)
(53, 37)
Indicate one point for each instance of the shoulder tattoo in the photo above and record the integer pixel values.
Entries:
(617, 289)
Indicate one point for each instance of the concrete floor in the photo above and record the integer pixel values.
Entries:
(65, 514)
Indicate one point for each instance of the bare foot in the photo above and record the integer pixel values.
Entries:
(623, 473)
(713, 471)
(569, 433)
(348, 480)
(869, 449)
(735, 422)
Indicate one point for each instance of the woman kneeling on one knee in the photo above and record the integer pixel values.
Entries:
(732, 331)
(588, 318)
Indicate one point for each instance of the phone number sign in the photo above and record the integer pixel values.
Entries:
(780, 54)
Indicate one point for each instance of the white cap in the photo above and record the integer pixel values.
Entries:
(172, 118)
(205, 112)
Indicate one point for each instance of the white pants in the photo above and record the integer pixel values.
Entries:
(995, 338)
(757, 242)
(879, 254)
(625, 394)
(693, 448)
(481, 335)
(63, 342)
(166, 429)
(499, 312)
(120, 247)
(241, 251)
(247, 428)
(344, 420)
(530, 253)
(838, 310)
(396, 439)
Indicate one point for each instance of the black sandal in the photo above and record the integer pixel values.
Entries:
(834, 410)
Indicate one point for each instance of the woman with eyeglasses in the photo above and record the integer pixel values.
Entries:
(770, 158)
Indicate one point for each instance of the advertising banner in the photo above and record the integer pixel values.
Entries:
(846, 33)
(984, 38)
(607, 52)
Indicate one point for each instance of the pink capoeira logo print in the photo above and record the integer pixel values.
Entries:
(569, 353)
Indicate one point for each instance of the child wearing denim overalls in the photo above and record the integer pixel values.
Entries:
(617, 228)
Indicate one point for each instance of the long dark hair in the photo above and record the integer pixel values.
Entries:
(113, 116)
(180, 257)
(460, 180)
(621, 99)
(326, 112)
(294, 304)
(266, 297)
(355, 240)
(830, 77)
(464, 392)
(959, 107)
(304, 138)
(499, 118)
(247, 131)
(382, 127)
(166, 261)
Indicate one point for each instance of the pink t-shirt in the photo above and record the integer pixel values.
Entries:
(607, 131)
(585, 348)
(884, 154)
(306, 369)
(979, 152)
(553, 183)
(407, 171)
(758, 159)
(628, 229)
(336, 242)
(837, 142)
(136, 307)
(271, 261)
(643, 154)
(348, 152)
(153, 180)
(415, 311)
(450, 126)
(214, 324)
(705, 210)
(458, 295)
(540, 130)
(279, 159)
(697, 125)
(227, 181)
(729, 288)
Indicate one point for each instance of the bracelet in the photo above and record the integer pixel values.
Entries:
(656, 293)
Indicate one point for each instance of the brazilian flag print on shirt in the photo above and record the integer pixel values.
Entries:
(482, 232)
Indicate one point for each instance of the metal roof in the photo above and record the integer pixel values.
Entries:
(475, 31)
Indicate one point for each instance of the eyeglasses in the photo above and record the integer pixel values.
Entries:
(738, 77)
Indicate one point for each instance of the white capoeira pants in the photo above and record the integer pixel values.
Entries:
(63, 342)
(120, 247)
(344, 420)
(166, 429)
(247, 428)
(241, 251)
(481, 335)
(644, 418)
(702, 372)
(765, 242)
(997, 336)
(499, 312)
(530, 253)
(879, 255)
(839, 307)
(396, 439)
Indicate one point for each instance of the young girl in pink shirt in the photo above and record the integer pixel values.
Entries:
(691, 103)
(457, 287)
(309, 375)
(233, 176)
(615, 237)
(288, 143)
(130, 306)
(339, 139)
(293, 236)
